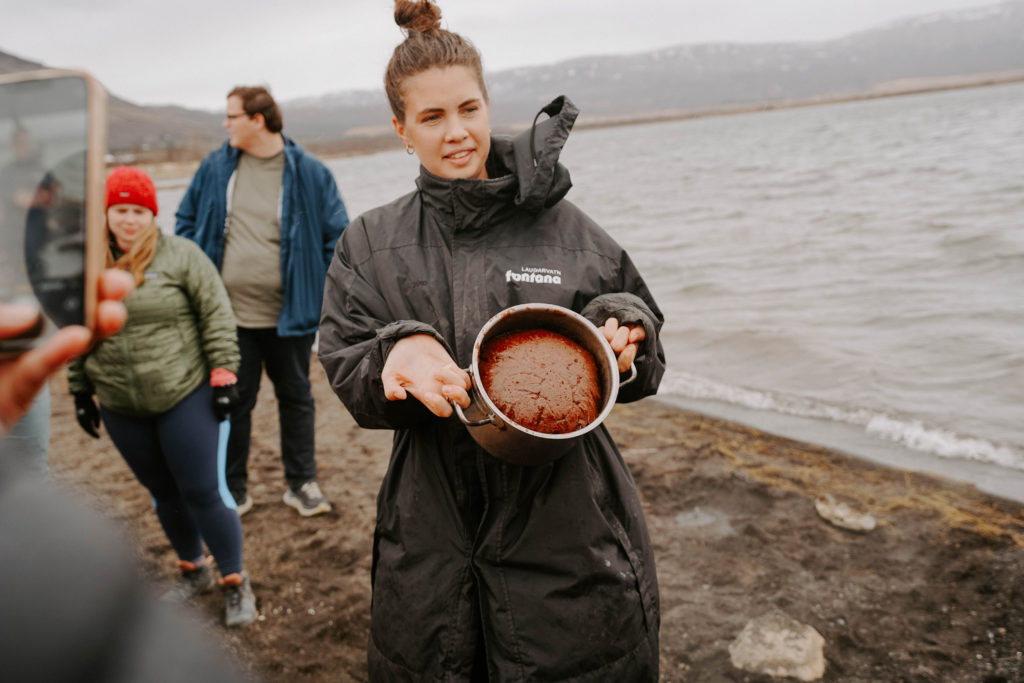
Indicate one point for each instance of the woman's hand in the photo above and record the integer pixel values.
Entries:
(22, 376)
(420, 366)
(623, 340)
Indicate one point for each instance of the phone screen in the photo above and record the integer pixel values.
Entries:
(47, 169)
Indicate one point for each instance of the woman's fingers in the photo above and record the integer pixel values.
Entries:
(624, 340)
(419, 366)
(452, 374)
(457, 394)
(449, 383)
(610, 327)
(621, 339)
(435, 402)
(619, 336)
(393, 389)
(627, 357)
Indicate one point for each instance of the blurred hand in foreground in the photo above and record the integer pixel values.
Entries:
(419, 365)
(624, 340)
(22, 376)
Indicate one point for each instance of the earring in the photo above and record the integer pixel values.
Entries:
(409, 149)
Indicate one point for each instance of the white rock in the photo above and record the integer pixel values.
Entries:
(843, 516)
(779, 646)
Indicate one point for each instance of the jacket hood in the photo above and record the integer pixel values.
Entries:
(532, 156)
(522, 170)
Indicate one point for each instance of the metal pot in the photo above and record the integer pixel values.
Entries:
(499, 435)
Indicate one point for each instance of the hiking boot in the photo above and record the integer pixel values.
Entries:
(195, 579)
(307, 499)
(239, 602)
(243, 501)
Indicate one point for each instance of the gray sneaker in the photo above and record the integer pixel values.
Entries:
(239, 601)
(243, 502)
(195, 579)
(307, 499)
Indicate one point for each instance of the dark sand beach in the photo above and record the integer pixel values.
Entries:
(934, 593)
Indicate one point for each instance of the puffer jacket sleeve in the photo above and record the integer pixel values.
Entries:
(630, 302)
(357, 332)
(218, 333)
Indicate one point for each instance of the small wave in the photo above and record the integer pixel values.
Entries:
(914, 434)
(909, 432)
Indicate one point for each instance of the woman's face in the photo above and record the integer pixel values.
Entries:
(127, 222)
(447, 122)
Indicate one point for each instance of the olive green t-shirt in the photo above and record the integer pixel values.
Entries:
(251, 267)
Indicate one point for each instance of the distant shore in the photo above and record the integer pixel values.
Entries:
(898, 88)
(373, 144)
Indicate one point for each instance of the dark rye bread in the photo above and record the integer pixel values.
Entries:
(541, 380)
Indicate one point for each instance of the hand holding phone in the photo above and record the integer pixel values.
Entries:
(52, 144)
(21, 377)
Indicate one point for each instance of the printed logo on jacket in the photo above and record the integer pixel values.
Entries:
(534, 274)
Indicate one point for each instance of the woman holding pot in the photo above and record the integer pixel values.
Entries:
(484, 570)
(166, 384)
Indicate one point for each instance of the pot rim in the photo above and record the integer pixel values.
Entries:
(609, 367)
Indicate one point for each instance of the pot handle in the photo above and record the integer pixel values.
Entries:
(473, 423)
(491, 418)
(632, 375)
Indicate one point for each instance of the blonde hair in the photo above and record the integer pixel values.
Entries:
(426, 46)
(137, 259)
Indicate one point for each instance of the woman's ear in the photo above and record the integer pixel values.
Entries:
(399, 130)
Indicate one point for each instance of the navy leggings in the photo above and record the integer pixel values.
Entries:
(179, 456)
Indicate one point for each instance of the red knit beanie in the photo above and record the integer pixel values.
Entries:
(126, 185)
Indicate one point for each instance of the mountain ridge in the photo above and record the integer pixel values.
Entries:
(949, 49)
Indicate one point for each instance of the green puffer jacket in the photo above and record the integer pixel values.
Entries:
(180, 326)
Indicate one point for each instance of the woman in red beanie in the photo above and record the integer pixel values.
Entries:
(166, 385)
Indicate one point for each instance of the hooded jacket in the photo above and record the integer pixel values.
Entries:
(312, 217)
(539, 573)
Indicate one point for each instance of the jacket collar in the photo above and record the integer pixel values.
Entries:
(233, 153)
(466, 203)
(524, 173)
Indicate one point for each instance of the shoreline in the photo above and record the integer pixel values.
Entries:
(854, 442)
(375, 144)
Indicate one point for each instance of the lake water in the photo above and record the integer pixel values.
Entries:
(850, 274)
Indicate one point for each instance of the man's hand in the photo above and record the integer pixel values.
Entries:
(420, 366)
(23, 376)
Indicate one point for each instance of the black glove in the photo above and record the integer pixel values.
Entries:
(88, 414)
(225, 398)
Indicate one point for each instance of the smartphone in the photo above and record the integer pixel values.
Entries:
(53, 140)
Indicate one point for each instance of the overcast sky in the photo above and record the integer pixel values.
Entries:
(191, 52)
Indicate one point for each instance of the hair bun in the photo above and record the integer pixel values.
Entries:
(420, 16)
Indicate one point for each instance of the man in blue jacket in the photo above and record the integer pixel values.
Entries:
(268, 214)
